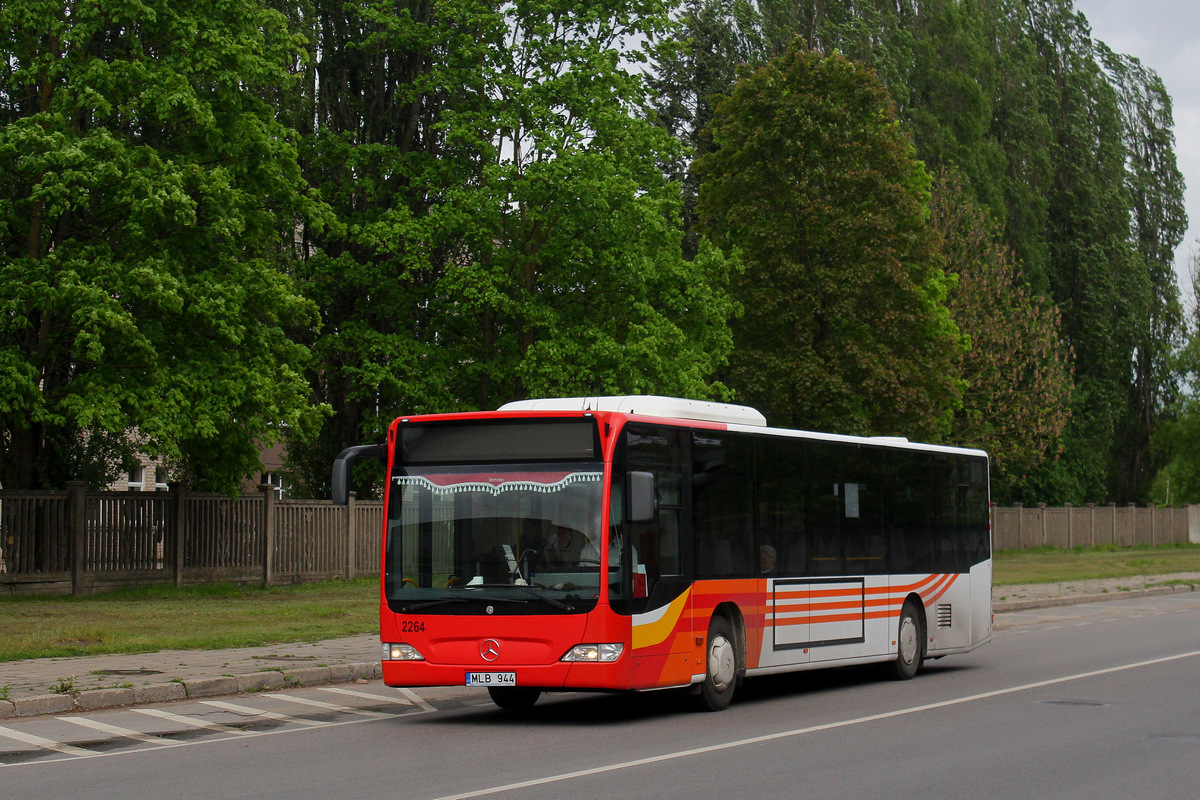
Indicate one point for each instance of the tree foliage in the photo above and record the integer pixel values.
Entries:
(1066, 145)
(1017, 371)
(147, 193)
(1176, 440)
(815, 183)
(217, 220)
(507, 228)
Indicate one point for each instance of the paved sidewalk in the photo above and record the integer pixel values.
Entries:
(1043, 595)
(58, 685)
(62, 685)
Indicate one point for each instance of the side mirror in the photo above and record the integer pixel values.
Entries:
(339, 487)
(640, 492)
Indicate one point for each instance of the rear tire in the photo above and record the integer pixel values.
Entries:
(910, 643)
(514, 698)
(721, 666)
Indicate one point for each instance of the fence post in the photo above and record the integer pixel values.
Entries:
(268, 522)
(77, 505)
(351, 538)
(179, 509)
(1020, 525)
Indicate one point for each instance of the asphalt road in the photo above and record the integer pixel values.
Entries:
(1092, 701)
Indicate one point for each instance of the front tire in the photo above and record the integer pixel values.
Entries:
(910, 643)
(514, 698)
(721, 666)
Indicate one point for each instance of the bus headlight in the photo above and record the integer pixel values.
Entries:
(595, 653)
(401, 652)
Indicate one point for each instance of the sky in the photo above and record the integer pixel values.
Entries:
(1165, 36)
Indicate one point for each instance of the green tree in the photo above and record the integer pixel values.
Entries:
(1067, 146)
(692, 68)
(145, 190)
(1175, 444)
(373, 143)
(817, 186)
(507, 229)
(1158, 223)
(1017, 371)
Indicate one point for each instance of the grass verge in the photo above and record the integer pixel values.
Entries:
(1055, 565)
(223, 615)
(190, 618)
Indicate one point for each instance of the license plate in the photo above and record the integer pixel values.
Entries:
(491, 679)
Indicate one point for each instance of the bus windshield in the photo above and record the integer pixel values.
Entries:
(504, 539)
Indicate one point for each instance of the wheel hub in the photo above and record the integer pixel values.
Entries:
(722, 663)
(908, 640)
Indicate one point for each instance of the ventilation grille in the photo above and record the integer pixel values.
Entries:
(945, 615)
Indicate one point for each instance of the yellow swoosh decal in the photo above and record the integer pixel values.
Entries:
(657, 630)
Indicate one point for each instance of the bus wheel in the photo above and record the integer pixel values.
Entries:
(721, 659)
(514, 698)
(910, 640)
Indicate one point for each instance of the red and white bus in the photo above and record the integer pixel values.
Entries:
(638, 543)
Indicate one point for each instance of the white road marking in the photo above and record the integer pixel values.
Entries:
(45, 744)
(180, 719)
(583, 773)
(258, 712)
(407, 697)
(72, 753)
(115, 730)
(365, 695)
(415, 698)
(304, 701)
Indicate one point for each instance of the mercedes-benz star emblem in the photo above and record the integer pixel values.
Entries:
(489, 649)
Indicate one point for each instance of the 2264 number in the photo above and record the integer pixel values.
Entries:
(412, 626)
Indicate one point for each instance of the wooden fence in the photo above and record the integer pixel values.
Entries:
(82, 542)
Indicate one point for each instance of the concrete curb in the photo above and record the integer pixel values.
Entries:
(92, 699)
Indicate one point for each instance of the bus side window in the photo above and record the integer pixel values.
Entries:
(909, 523)
(827, 505)
(781, 505)
(723, 505)
(656, 545)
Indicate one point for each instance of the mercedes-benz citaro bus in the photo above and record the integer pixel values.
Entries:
(637, 543)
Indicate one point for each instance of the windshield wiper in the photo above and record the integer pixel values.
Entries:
(529, 590)
(432, 603)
